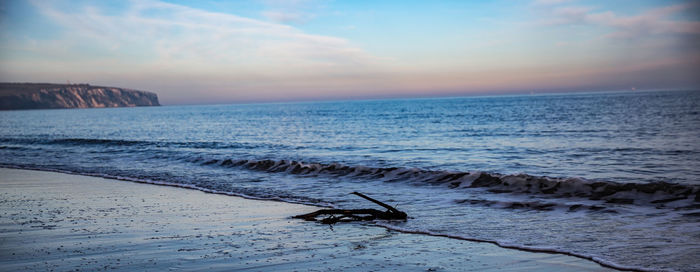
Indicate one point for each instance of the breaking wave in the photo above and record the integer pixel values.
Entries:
(658, 194)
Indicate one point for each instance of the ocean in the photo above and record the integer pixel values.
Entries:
(612, 177)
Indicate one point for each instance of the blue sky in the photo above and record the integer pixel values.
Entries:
(279, 50)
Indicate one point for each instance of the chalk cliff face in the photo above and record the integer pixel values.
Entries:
(56, 96)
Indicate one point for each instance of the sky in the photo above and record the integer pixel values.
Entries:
(192, 52)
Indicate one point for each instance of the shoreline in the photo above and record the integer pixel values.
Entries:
(351, 246)
(165, 184)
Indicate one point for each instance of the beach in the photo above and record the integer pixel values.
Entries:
(538, 135)
(58, 222)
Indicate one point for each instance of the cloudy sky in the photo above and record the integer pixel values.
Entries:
(280, 50)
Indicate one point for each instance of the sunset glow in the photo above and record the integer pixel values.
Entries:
(193, 52)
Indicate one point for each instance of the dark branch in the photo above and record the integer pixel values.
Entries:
(341, 215)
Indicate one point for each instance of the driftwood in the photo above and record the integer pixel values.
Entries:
(338, 215)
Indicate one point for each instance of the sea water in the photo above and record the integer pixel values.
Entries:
(613, 177)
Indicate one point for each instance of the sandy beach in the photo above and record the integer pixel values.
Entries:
(59, 222)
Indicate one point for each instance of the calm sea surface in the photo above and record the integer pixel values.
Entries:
(610, 176)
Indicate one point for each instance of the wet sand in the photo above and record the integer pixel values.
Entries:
(58, 222)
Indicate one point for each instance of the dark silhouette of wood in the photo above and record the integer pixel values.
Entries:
(390, 208)
(344, 215)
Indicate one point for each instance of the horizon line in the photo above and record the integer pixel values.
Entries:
(437, 96)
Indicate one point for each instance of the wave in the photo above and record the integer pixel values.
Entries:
(658, 194)
(81, 141)
(138, 143)
(385, 224)
(72, 141)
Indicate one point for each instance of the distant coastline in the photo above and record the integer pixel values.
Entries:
(23, 96)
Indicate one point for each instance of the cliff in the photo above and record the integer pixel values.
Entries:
(16, 96)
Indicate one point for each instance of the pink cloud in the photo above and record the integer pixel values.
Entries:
(653, 22)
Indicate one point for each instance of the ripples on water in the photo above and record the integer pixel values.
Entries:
(611, 176)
